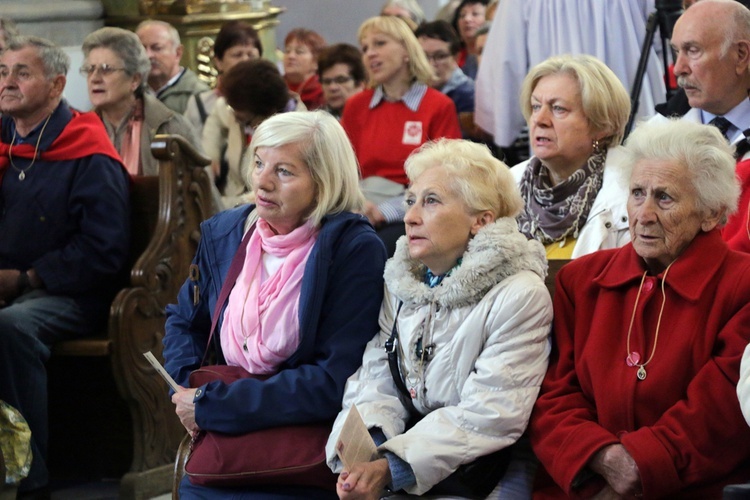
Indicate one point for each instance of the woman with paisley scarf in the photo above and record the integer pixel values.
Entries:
(573, 191)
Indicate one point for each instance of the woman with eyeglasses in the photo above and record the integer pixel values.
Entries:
(441, 45)
(116, 67)
(301, 50)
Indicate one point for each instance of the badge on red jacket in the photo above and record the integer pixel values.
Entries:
(412, 133)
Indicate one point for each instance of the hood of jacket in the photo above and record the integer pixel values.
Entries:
(496, 252)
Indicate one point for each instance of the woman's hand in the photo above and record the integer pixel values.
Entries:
(185, 408)
(618, 468)
(365, 480)
(607, 493)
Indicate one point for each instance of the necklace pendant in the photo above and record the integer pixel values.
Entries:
(413, 393)
(641, 374)
(22, 175)
(633, 359)
(244, 345)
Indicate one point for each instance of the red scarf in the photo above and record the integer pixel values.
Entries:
(83, 136)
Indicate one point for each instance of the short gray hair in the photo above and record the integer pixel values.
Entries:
(174, 35)
(125, 44)
(606, 103)
(482, 181)
(415, 10)
(737, 26)
(326, 150)
(701, 149)
(54, 59)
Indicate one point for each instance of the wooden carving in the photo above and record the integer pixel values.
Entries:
(137, 315)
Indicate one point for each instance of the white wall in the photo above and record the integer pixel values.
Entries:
(336, 20)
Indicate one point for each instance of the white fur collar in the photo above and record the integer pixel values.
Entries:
(497, 251)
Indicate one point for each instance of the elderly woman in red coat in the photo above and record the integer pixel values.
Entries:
(639, 398)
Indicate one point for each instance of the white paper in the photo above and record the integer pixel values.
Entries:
(355, 444)
(161, 371)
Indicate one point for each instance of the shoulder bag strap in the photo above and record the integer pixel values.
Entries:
(201, 107)
(392, 348)
(234, 271)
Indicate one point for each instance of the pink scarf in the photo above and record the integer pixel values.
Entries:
(261, 322)
(130, 148)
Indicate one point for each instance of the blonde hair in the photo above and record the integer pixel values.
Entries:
(482, 181)
(701, 149)
(606, 103)
(396, 28)
(325, 148)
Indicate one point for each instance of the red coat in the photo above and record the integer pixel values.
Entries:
(682, 424)
(737, 231)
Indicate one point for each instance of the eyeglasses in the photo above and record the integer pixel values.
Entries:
(338, 80)
(437, 56)
(103, 69)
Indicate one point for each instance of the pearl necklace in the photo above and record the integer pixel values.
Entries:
(633, 357)
(22, 171)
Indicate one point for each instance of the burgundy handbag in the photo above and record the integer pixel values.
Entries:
(287, 455)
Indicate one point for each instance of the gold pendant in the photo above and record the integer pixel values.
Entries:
(641, 373)
(22, 175)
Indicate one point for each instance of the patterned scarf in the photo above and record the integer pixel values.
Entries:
(554, 213)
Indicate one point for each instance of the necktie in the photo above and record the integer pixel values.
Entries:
(722, 124)
(743, 146)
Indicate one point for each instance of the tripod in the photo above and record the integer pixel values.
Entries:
(664, 17)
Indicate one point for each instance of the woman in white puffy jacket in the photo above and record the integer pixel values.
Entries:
(472, 315)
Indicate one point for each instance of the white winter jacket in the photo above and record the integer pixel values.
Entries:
(607, 223)
(489, 322)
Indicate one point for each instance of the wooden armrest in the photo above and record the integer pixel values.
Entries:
(179, 465)
(83, 347)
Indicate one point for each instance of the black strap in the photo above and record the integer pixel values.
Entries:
(201, 108)
(392, 348)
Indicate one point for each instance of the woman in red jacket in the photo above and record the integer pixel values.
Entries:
(639, 398)
(388, 121)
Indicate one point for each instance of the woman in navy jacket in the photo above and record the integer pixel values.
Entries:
(307, 334)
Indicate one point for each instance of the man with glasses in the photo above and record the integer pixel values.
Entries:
(172, 84)
(64, 230)
(441, 45)
(341, 74)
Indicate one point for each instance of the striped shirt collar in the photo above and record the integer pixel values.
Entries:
(412, 99)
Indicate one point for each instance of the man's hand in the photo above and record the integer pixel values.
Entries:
(9, 284)
(185, 408)
(364, 481)
(618, 468)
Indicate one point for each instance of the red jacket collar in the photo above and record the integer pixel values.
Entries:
(689, 275)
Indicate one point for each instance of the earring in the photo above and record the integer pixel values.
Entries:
(597, 147)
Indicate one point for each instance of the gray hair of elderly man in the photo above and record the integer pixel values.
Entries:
(481, 181)
(415, 10)
(325, 149)
(174, 35)
(125, 44)
(701, 149)
(54, 59)
(738, 27)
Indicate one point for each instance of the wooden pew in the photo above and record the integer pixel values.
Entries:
(165, 216)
